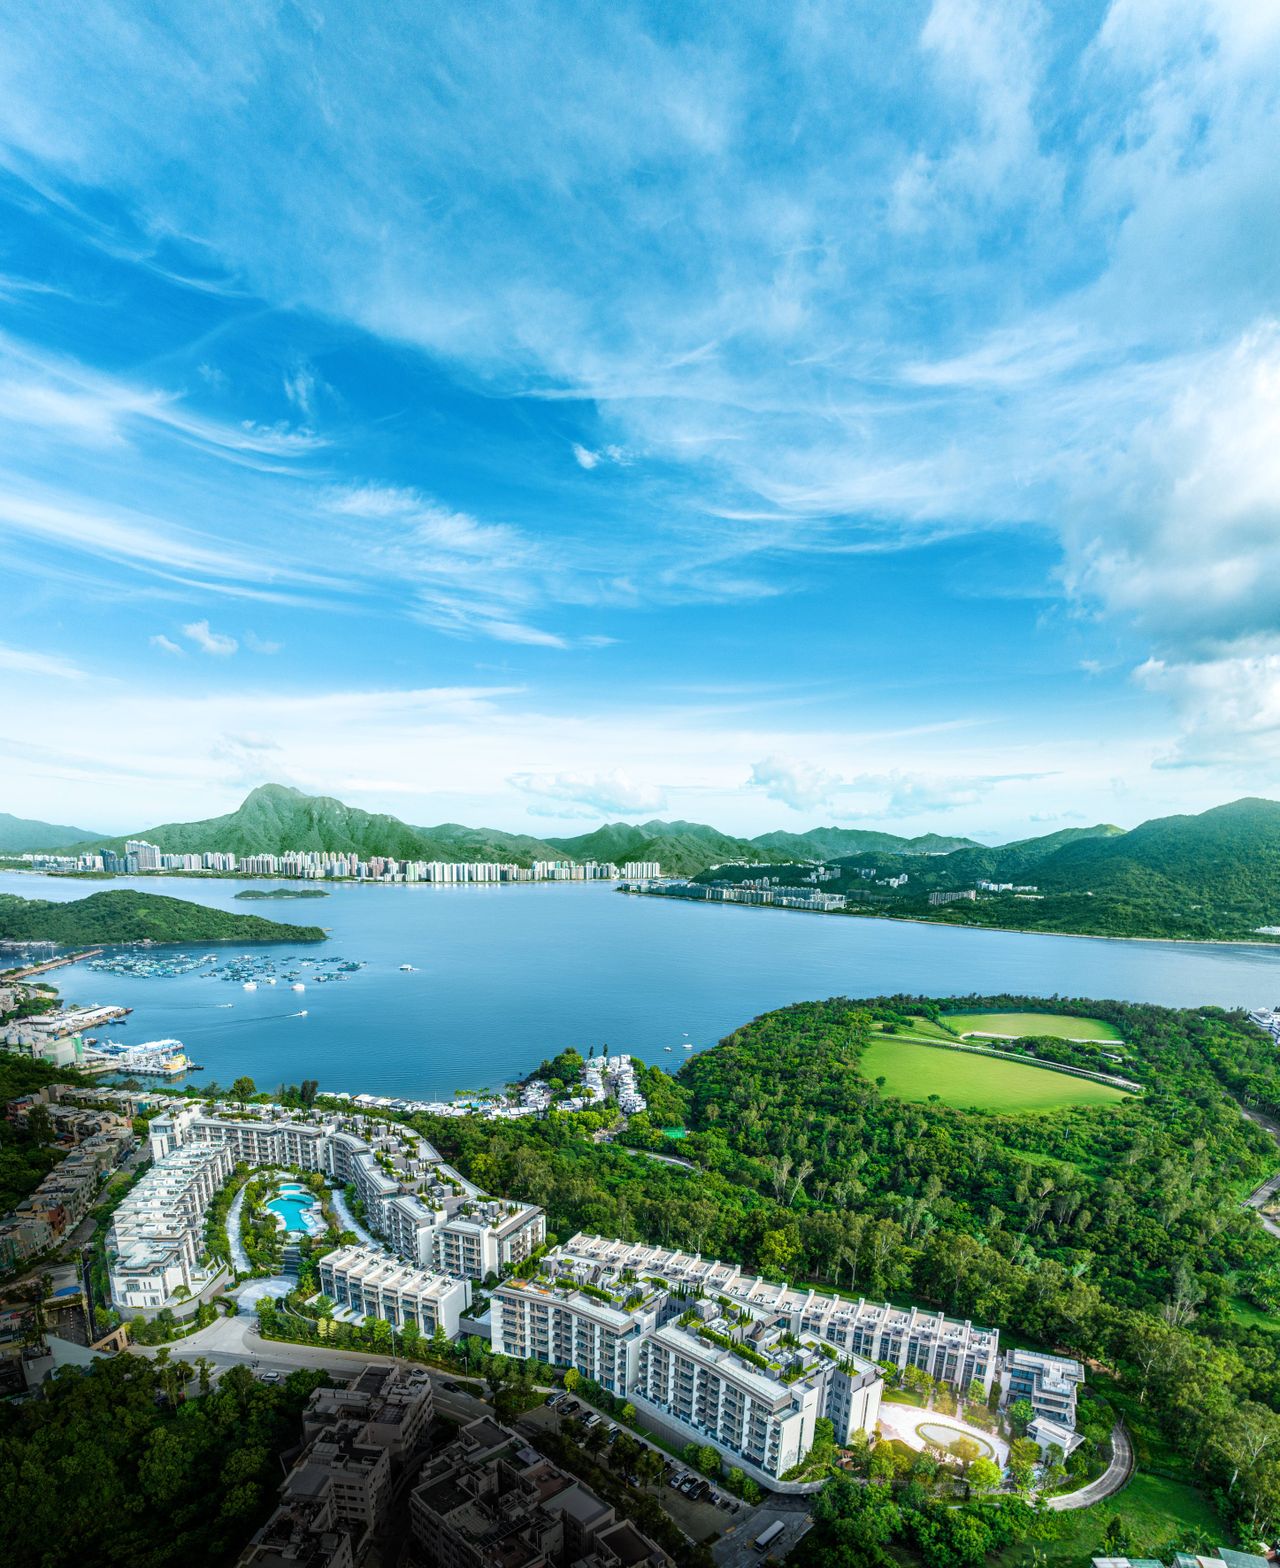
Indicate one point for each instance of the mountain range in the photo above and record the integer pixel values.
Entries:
(1215, 872)
(274, 817)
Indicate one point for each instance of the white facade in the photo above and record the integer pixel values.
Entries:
(955, 1351)
(370, 1284)
(157, 1234)
(570, 1329)
(742, 1382)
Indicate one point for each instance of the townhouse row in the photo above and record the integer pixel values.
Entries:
(66, 1194)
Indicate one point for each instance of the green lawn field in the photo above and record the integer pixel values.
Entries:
(914, 1072)
(1020, 1024)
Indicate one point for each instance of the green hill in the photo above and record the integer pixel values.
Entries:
(1212, 875)
(682, 848)
(22, 833)
(128, 916)
(833, 843)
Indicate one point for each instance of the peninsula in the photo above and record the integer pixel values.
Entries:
(127, 916)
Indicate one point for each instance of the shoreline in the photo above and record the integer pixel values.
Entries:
(1267, 944)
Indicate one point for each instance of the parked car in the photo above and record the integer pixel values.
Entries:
(572, 1408)
(270, 1377)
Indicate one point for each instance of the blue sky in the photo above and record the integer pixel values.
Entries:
(523, 415)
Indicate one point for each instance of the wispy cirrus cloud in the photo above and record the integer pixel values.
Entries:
(26, 661)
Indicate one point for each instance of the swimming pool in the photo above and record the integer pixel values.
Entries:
(292, 1204)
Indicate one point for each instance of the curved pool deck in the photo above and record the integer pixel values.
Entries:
(296, 1207)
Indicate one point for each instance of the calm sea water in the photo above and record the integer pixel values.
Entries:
(507, 975)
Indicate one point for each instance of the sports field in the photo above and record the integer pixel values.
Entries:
(914, 1072)
(1019, 1024)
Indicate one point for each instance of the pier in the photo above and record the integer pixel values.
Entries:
(51, 963)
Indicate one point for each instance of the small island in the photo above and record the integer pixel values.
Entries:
(124, 917)
(284, 892)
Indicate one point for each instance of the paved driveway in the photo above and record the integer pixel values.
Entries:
(1108, 1483)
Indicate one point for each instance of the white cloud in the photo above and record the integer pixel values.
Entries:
(23, 661)
(216, 643)
(166, 645)
(256, 644)
(72, 402)
(609, 453)
(300, 387)
(610, 792)
(796, 784)
(1228, 710)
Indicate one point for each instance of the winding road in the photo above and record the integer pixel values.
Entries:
(1108, 1483)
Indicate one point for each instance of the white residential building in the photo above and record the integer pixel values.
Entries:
(156, 1237)
(370, 1284)
(1049, 1382)
(951, 1349)
(447, 1225)
(740, 1380)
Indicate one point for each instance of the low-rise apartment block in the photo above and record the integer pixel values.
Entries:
(1049, 1382)
(428, 1213)
(490, 1501)
(955, 1351)
(371, 1284)
(339, 1491)
(156, 1238)
(393, 1405)
(738, 1377)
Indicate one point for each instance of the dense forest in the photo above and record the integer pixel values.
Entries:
(1116, 1233)
(127, 916)
(121, 1467)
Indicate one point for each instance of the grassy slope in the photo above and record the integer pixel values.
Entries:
(915, 1071)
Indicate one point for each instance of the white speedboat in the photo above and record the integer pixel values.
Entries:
(251, 985)
(297, 986)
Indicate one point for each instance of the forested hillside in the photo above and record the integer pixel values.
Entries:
(22, 833)
(1116, 1233)
(127, 916)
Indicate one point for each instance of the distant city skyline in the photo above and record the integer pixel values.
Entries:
(857, 416)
